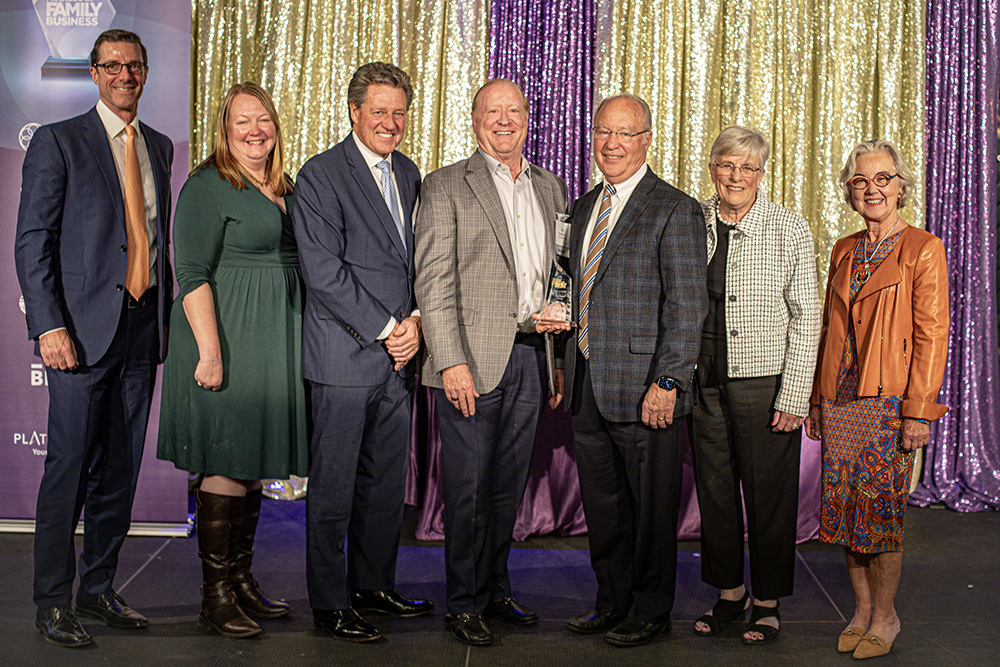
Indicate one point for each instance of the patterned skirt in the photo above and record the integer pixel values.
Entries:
(866, 476)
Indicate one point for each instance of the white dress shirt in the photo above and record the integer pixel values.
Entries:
(115, 127)
(372, 159)
(526, 227)
(618, 201)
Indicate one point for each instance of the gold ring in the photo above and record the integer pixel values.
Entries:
(661, 419)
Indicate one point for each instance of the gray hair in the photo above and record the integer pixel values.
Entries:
(374, 74)
(739, 140)
(907, 180)
(647, 115)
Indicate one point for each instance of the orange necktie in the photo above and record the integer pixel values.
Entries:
(137, 269)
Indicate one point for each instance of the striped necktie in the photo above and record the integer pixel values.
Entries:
(597, 242)
(137, 263)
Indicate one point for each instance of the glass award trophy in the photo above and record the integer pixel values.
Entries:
(558, 302)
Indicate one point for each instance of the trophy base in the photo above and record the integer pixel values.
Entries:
(65, 67)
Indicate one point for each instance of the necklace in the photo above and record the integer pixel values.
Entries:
(864, 272)
(260, 184)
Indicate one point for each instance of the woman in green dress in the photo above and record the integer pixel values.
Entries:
(234, 404)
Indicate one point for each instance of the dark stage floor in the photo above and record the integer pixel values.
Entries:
(947, 602)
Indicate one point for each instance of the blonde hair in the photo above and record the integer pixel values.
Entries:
(907, 180)
(229, 167)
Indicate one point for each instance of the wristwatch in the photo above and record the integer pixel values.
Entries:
(665, 382)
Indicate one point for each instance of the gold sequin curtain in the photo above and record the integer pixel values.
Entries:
(815, 76)
(304, 52)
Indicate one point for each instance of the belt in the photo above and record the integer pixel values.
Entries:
(148, 297)
(532, 338)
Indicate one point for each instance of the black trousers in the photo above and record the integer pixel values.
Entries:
(630, 482)
(485, 460)
(732, 446)
(357, 479)
(97, 428)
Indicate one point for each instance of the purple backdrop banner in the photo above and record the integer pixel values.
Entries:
(962, 461)
(42, 80)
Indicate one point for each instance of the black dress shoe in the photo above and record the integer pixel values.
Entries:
(110, 608)
(469, 629)
(59, 626)
(594, 622)
(634, 633)
(509, 611)
(391, 603)
(345, 624)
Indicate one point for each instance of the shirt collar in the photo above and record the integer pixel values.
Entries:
(113, 124)
(371, 157)
(624, 189)
(496, 166)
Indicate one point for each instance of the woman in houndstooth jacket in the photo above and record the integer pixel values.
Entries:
(752, 386)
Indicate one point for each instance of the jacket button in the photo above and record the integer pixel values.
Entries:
(734, 332)
(124, 248)
(402, 314)
(736, 369)
(119, 287)
(732, 297)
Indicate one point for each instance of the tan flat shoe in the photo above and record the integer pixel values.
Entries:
(871, 646)
(850, 638)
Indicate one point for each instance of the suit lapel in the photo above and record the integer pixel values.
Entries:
(97, 137)
(363, 177)
(407, 199)
(629, 216)
(546, 201)
(886, 274)
(480, 181)
(157, 161)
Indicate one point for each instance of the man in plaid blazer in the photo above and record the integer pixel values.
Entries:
(485, 239)
(638, 261)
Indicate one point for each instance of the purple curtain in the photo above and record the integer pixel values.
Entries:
(962, 461)
(547, 48)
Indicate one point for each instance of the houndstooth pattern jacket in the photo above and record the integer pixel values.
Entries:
(466, 285)
(772, 299)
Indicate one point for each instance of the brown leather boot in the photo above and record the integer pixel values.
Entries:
(248, 592)
(218, 518)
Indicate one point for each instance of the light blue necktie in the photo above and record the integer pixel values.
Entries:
(389, 194)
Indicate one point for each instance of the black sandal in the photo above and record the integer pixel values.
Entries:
(723, 613)
(768, 633)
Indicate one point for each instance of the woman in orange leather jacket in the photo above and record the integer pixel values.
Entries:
(881, 362)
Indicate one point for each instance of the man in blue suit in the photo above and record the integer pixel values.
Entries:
(93, 263)
(353, 209)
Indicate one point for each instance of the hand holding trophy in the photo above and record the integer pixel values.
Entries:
(557, 313)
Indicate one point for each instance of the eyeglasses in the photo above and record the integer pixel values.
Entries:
(604, 134)
(726, 168)
(112, 69)
(881, 180)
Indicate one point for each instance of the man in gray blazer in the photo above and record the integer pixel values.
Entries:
(360, 330)
(485, 236)
(637, 253)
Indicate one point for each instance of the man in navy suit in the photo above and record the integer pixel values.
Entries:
(94, 267)
(353, 208)
(638, 261)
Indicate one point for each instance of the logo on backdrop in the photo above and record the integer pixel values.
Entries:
(70, 28)
(37, 442)
(24, 137)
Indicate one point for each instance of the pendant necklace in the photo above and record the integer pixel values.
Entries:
(864, 272)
